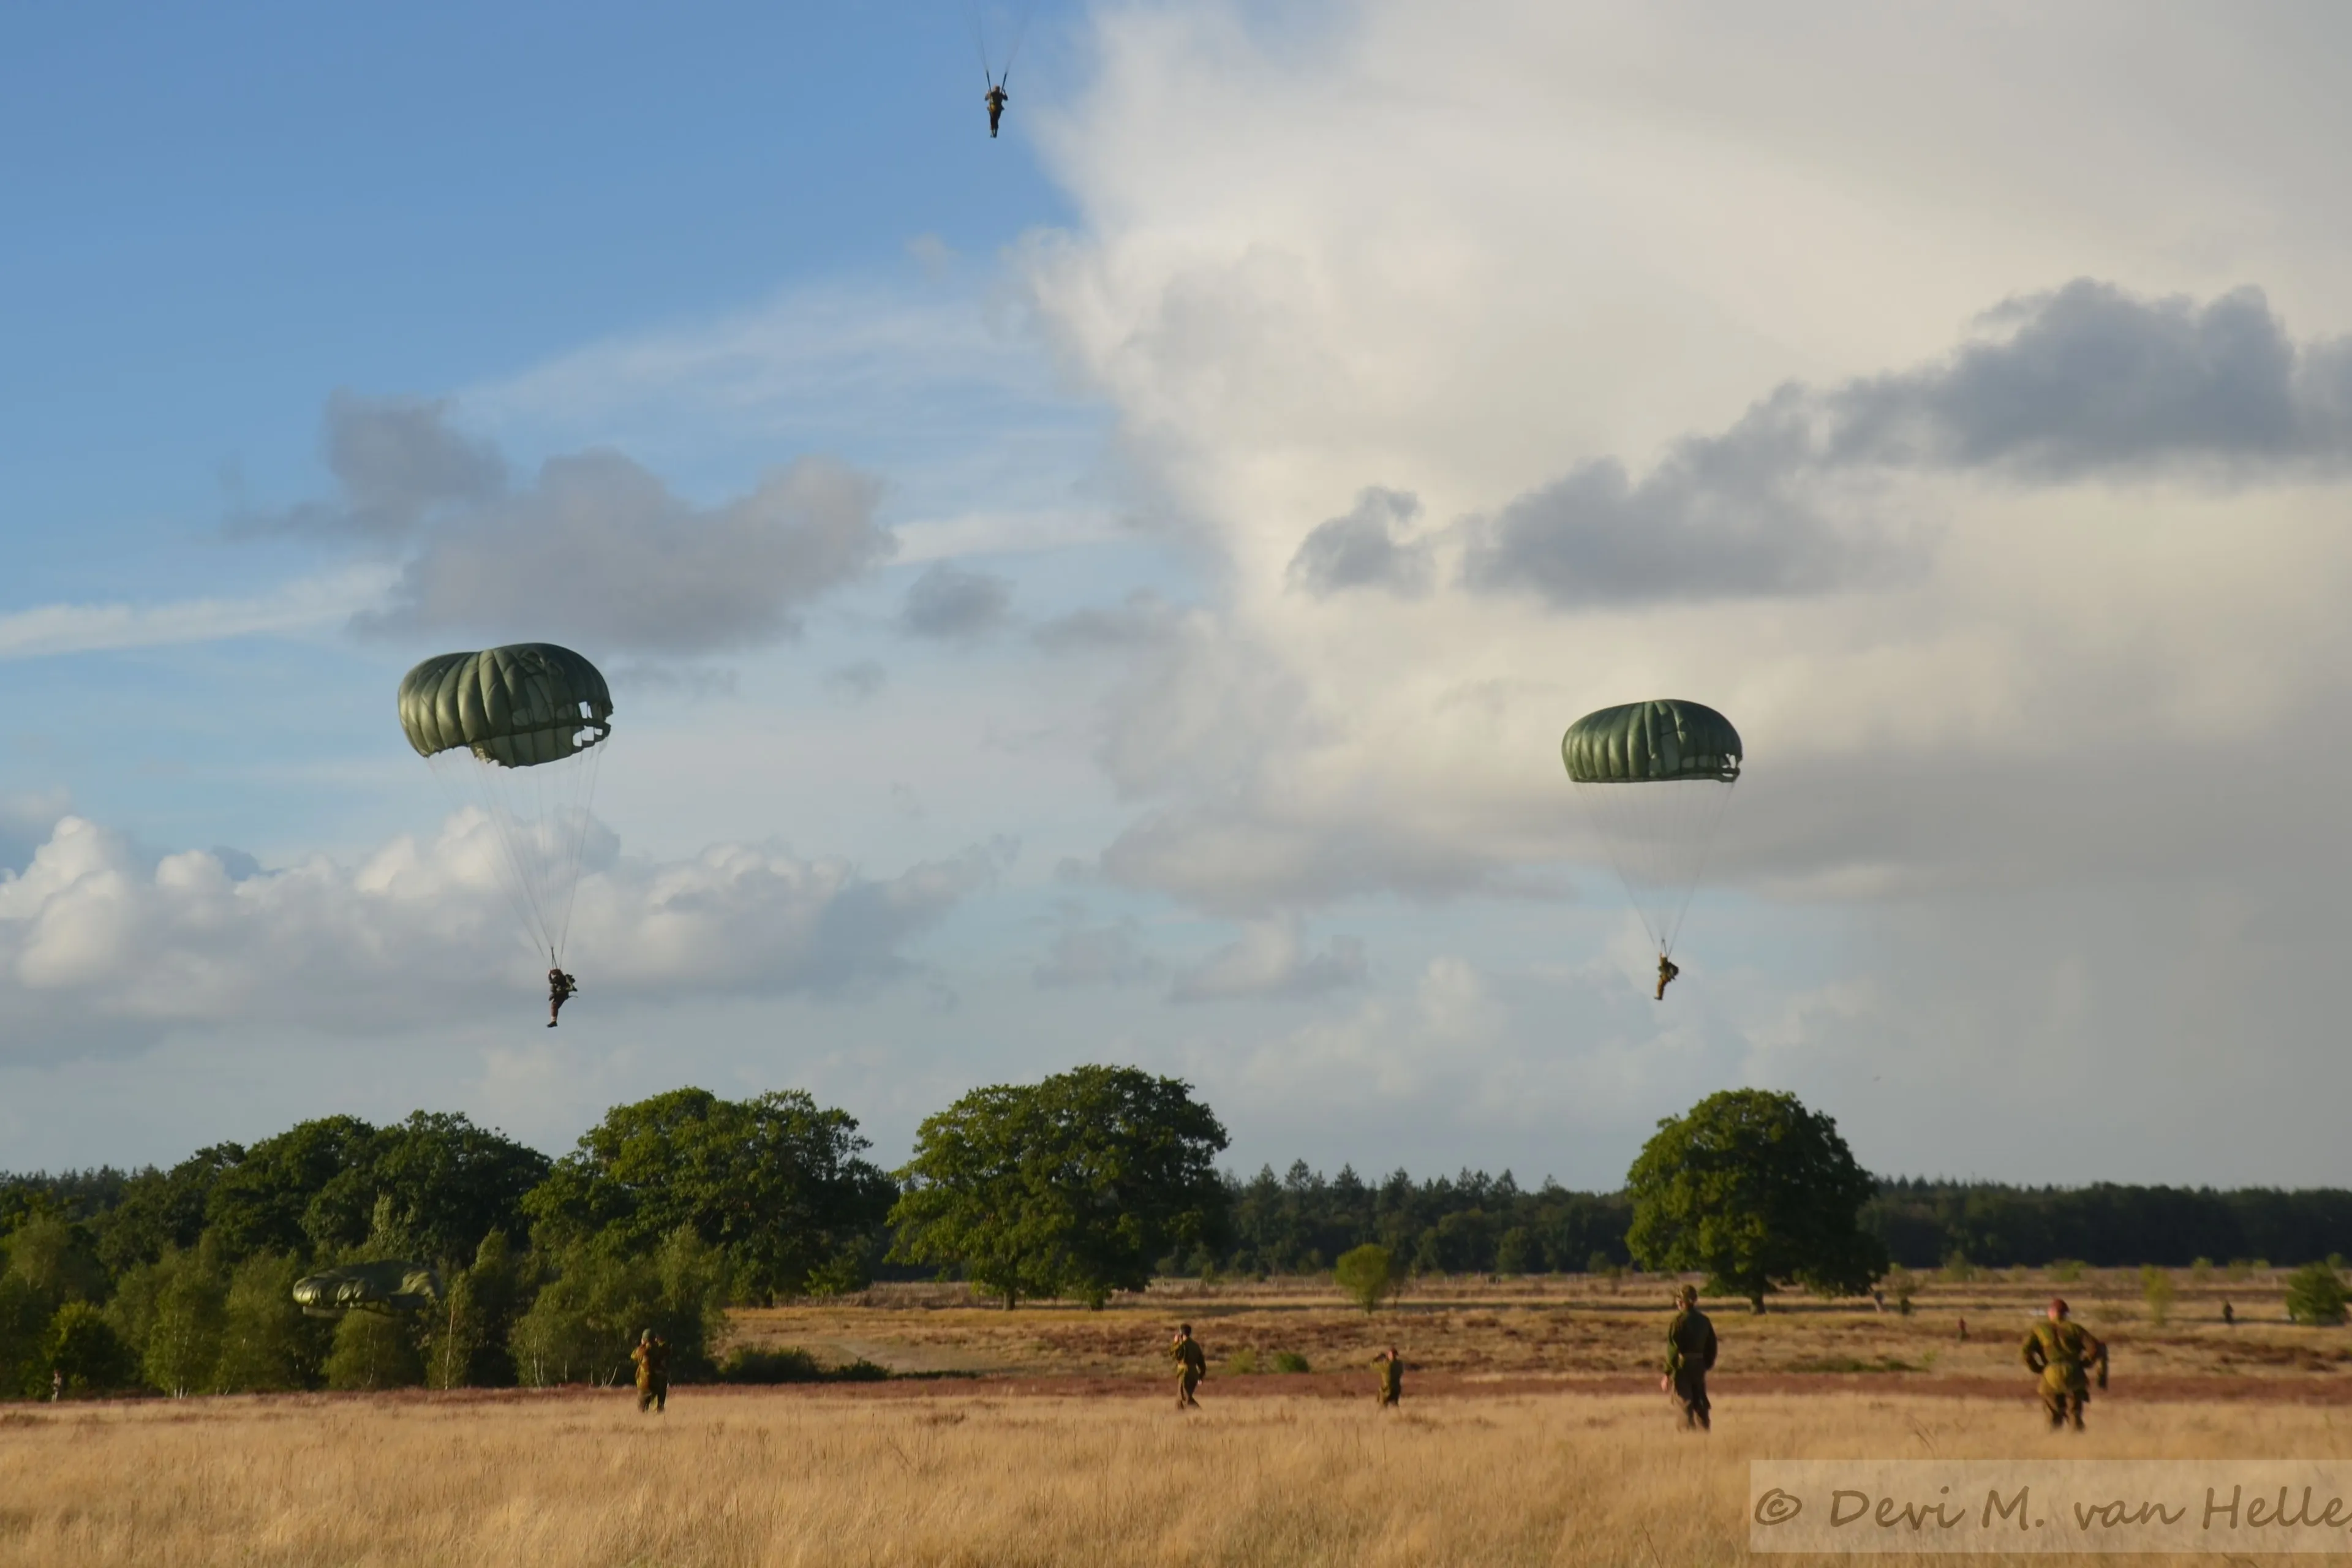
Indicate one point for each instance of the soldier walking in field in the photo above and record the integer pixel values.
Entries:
(1192, 1365)
(1690, 1356)
(1391, 1370)
(2061, 1352)
(652, 1356)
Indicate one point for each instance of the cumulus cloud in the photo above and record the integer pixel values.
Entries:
(1367, 548)
(954, 604)
(1272, 959)
(1109, 954)
(2087, 381)
(598, 548)
(103, 948)
(859, 681)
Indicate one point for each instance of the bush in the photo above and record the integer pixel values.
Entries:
(585, 1322)
(1367, 1274)
(2065, 1270)
(1516, 1253)
(1243, 1362)
(84, 1347)
(747, 1363)
(375, 1350)
(2315, 1295)
(1290, 1361)
(266, 1342)
(2155, 1288)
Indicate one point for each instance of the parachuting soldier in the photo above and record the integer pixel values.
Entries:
(652, 1356)
(996, 100)
(1690, 1356)
(559, 987)
(1667, 970)
(2061, 1351)
(1391, 1370)
(1192, 1365)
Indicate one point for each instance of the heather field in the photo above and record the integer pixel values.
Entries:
(1531, 1435)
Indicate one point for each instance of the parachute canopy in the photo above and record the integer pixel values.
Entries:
(394, 1285)
(1649, 743)
(517, 706)
(519, 731)
(1655, 777)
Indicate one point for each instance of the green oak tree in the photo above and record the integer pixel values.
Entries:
(1758, 1193)
(775, 1183)
(1069, 1187)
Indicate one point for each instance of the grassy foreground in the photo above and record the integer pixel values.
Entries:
(1531, 1434)
(969, 1477)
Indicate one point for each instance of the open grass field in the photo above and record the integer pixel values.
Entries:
(1530, 1435)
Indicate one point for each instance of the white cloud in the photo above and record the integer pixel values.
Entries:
(307, 605)
(101, 947)
(1273, 961)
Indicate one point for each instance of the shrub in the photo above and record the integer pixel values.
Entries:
(1243, 1362)
(2064, 1270)
(1516, 1253)
(2155, 1288)
(1290, 1361)
(782, 1363)
(1958, 1269)
(1367, 1274)
(375, 1350)
(84, 1346)
(2315, 1295)
(266, 1342)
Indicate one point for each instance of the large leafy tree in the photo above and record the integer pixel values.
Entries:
(1756, 1191)
(436, 1181)
(1069, 1187)
(775, 1182)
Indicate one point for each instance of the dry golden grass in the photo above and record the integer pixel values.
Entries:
(1524, 1439)
(966, 1477)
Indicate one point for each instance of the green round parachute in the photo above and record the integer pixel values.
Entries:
(519, 731)
(519, 705)
(1655, 777)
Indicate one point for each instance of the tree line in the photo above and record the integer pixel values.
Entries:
(1091, 1182)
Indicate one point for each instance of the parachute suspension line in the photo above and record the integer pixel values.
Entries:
(1698, 873)
(593, 764)
(447, 767)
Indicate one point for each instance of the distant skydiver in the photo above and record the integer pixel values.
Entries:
(996, 101)
(559, 987)
(1667, 970)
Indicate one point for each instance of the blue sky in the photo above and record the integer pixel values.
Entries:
(1114, 591)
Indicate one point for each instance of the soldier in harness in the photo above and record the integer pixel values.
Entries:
(996, 101)
(2061, 1352)
(1667, 970)
(559, 987)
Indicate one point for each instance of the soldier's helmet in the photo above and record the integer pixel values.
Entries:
(647, 1338)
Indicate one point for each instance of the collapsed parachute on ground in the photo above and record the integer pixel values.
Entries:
(520, 730)
(394, 1285)
(1655, 777)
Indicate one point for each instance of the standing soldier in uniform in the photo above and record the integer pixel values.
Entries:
(2059, 1351)
(1690, 1356)
(652, 1356)
(1391, 1370)
(1192, 1365)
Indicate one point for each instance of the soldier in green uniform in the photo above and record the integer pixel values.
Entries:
(2059, 1351)
(1391, 1370)
(1690, 1356)
(559, 987)
(1192, 1365)
(1667, 970)
(652, 1356)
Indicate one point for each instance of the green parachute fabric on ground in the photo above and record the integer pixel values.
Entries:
(520, 732)
(517, 706)
(1645, 741)
(393, 1285)
(1655, 777)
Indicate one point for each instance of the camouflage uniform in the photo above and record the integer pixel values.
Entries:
(1192, 1365)
(1690, 1356)
(652, 1356)
(2061, 1352)
(1391, 1367)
